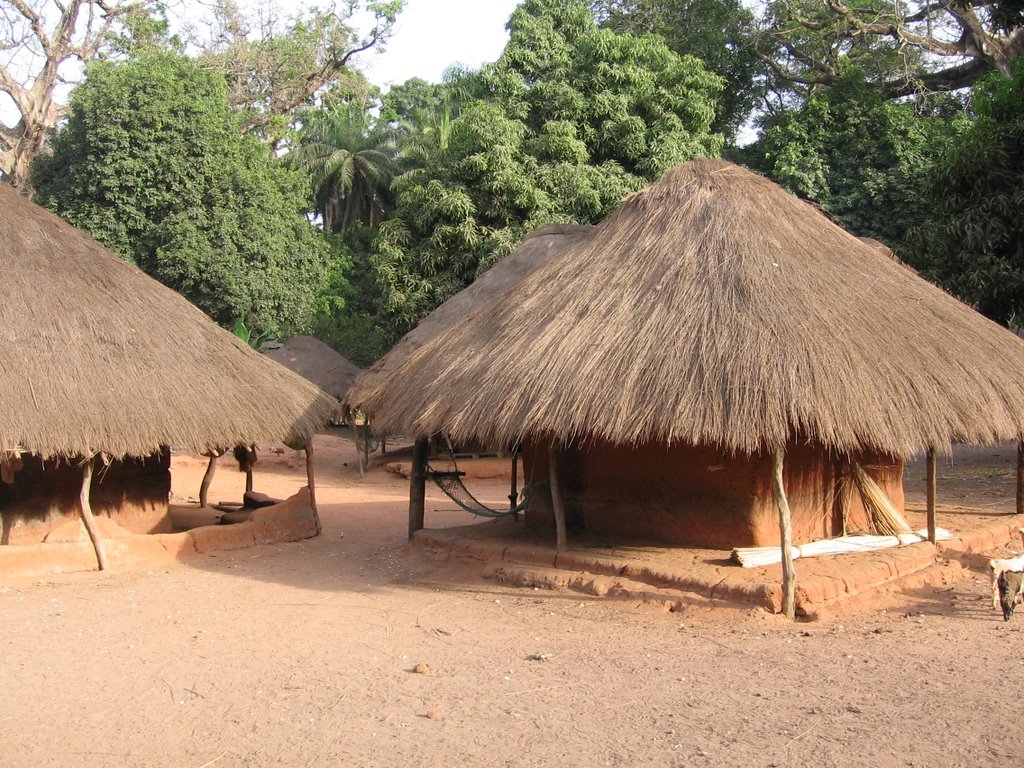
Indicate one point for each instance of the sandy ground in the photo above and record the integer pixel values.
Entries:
(306, 654)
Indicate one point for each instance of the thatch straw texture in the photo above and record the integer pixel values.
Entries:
(97, 356)
(315, 361)
(536, 248)
(713, 307)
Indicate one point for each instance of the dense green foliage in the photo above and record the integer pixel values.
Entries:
(904, 48)
(349, 313)
(973, 240)
(350, 164)
(152, 164)
(863, 159)
(569, 120)
(715, 31)
(590, 100)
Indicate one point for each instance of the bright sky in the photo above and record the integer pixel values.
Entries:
(431, 35)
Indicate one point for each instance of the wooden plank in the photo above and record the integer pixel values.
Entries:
(417, 485)
(786, 531)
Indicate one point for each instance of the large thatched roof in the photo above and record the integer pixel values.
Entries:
(535, 249)
(715, 307)
(313, 360)
(97, 356)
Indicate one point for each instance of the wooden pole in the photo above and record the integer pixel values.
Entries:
(311, 482)
(211, 466)
(556, 496)
(417, 485)
(930, 498)
(513, 494)
(786, 530)
(1020, 475)
(87, 517)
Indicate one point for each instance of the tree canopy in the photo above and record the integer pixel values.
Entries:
(906, 47)
(718, 32)
(560, 128)
(152, 164)
(862, 158)
(972, 241)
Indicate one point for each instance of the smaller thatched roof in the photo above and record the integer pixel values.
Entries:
(715, 308)
(535, 249)
(313, 360)
(97, 356)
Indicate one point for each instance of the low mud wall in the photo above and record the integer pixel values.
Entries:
(69, 548)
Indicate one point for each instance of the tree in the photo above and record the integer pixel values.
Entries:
(349, 163)
(571, 119)
(349, 314)
(45, 40)
(285, 67)
(906, 47)
(973, 241)
(152, 164)
(863, 159)
(718, 32)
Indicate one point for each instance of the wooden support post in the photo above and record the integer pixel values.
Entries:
(930, 494)
(513, 494)
(87, 517)
(556, 496)
(786, 530)
(1020, 475)
(211, 467)
(311, 482)
(417, 485)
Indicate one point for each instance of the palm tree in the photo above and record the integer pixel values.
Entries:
(351, 165)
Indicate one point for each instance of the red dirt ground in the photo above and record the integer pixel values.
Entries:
(304, 654)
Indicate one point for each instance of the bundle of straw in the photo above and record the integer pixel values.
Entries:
(886, 519)
(752, 557)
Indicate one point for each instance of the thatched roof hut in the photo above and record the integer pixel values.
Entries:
(98, 356)
(536, 248)
(657, 373)
(315, 361)
(715, 308)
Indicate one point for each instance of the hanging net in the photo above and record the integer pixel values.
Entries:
(451, 483)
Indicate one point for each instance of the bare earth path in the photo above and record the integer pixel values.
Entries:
(303, 655)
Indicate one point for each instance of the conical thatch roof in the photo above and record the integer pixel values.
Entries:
(315, 361)
(97, 356)
(536, 248)
(714, 307)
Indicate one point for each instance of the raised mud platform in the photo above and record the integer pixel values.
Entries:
(673, 577)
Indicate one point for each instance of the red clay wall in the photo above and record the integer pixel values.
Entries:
(133, 493)
(702, 496)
